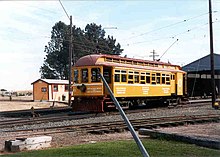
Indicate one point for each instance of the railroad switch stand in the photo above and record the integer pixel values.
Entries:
(33, 112)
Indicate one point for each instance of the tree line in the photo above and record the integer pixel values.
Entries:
(91, 40)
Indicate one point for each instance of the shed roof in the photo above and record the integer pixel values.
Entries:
(203, 64)
(53, 81)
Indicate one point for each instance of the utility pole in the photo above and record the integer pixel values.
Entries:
(70, 62)
(153, 55)
(212, 56)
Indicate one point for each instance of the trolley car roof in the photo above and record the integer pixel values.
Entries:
(93, 60)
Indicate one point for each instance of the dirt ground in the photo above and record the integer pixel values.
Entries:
(211, 130)
(66, 139)
(23, 103)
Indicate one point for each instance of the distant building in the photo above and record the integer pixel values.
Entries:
(4, 92)
(50, 90)
(199, 76)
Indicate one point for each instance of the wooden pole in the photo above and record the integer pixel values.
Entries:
(212, 55)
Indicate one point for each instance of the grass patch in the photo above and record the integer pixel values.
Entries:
(124, 148)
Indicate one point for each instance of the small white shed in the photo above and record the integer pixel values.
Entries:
(50, 90)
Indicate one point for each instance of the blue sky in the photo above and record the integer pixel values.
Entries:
(142, 26)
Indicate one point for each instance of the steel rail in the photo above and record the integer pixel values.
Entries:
(138, 123)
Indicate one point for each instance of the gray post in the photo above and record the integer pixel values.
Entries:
(70, 62)
(130, 127)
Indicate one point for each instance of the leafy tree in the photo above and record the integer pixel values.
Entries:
(89, 41)
(96, 35)
(56, 61)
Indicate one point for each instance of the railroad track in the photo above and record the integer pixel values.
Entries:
(57, 110)
(73, 116)
(118, 126)
(38, 120)
(40, 112)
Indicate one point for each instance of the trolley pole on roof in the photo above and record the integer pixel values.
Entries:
(70, 62)
(154, 55)
(212, 56)
(122, 113)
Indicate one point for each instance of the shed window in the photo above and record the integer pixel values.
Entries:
(55, 88)
(43, 89)
(66, 87)
(203, 76)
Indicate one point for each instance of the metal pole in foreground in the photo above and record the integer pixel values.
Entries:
(70, 62)
(130, 127)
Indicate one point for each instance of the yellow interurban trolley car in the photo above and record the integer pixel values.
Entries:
(133, 82)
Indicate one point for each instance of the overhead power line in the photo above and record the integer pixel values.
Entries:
(170, 25)
(64, 10)
(36, 6)
(173, 36)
